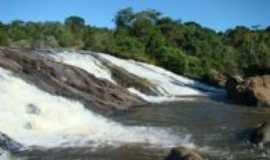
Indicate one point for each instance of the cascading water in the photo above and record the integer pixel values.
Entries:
(5, 155)
(39, 120)
(86, 62)
(35, 118)
(168, 85)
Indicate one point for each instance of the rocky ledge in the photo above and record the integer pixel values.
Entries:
(68, 81)
(253, 91)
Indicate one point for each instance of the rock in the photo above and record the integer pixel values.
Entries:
(127, 79)
(261, 134)
(182, 153)
(254, 91)
(32, 109)
(8, 144)
(218, 78)
(28, 125)
(69, 81)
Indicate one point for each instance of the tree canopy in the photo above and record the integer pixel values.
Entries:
(183, 47)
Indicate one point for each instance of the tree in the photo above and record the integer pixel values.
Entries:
(172, 30)
(76, 25)
(66, 39)
(3, 38)
(16, 30)
(129, 47)
(3, 35)
(123, 17)
(184, 48)
(74, 21)
(143, 29)
(100, 40)
(150, 14)
(173, 59)
(267, 29)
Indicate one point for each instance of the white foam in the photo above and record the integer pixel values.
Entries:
(158, 99)
(63, 122)
(182, 80)
(84, 61)
(168, 85)
(5, 155)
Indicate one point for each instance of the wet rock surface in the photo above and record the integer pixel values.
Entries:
(253, 91)
(68, 81)
(127, 79)
(8, 144)
(182, 153)
(261, 135)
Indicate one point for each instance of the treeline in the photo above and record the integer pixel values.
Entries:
(184, 48)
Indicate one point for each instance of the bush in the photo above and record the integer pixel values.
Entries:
(3, 38)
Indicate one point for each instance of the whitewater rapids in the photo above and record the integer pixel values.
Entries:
(168, 86)
(34, 117)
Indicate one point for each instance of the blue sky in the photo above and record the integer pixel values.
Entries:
(216, 14)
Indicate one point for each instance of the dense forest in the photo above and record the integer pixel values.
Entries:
(185, 48)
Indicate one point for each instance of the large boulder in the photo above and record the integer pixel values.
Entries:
(68, 81)
(253, 91)
(182, 153)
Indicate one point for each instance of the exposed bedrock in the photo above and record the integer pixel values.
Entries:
(68, 81)
(253, 91)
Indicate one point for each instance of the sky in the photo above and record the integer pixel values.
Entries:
(216, 14)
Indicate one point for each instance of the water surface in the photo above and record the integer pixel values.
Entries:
(215, 128)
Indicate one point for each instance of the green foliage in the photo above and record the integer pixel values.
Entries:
(100, 40)
(173, 59)
(17, 31)
(129, 45)
(66, 39)
(75, 23)
(184, 48)
(124, 17)
(3, 36)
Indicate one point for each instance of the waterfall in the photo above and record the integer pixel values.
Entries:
(169, 86)
(34, 117)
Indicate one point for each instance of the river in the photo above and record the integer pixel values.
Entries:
(53, 127)
(214, 128)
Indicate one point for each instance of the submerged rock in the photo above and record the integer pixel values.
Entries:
(68, 81)
(254, 91)
(32, 109)
(182, 153)
(261, 135)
